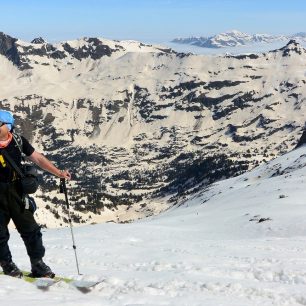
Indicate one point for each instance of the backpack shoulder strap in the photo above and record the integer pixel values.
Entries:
(12, 162)
(18, 141)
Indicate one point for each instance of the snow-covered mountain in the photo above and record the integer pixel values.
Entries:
(239, 242)
(236, 38)
(139, 124)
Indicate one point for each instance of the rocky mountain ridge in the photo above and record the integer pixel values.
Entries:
(142, 126)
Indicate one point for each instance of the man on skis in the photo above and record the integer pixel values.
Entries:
(12, 204)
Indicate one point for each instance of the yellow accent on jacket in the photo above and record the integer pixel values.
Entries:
(2, 161)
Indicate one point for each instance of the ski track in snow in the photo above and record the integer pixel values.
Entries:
(165, 270)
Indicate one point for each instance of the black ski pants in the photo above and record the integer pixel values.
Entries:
(12, 207)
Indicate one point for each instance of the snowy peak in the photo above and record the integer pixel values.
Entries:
(236, 38)
(34, 52)
(89, 47)
(8, 48)
(25, 55)
(230, 39)
(6, 40)
(38, 40)
(293, 47)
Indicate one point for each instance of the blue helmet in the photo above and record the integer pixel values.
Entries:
(7, 118)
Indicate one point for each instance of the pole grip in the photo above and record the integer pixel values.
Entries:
(62, 186)
(63, 189)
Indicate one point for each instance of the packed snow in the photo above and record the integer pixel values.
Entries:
(239, 241)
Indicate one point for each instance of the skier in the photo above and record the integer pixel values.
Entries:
(12, 204)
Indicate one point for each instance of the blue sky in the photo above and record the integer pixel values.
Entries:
(148, 20)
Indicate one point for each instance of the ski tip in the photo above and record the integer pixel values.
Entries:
(84, 286)
(44, 283)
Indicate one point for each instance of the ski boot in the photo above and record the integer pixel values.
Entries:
(9, 268)
(40, 269)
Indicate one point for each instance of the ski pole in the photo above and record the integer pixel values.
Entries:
(63, 189)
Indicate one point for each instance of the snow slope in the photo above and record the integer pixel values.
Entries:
(239, 242)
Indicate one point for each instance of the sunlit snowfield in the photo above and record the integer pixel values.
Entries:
(241, 242)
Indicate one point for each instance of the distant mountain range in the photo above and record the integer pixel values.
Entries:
(236, 38)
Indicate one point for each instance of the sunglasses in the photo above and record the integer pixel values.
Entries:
(2, 123)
